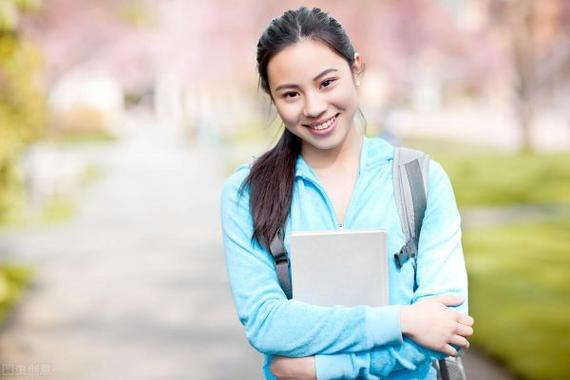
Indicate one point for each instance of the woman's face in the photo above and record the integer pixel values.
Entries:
(314, 91)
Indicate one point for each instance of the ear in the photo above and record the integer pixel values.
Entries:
(357, 65)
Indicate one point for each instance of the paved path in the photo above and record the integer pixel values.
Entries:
(135, 286)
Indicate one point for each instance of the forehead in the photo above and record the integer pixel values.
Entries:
(303, 61)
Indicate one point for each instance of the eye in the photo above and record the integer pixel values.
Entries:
(328, 82)
(290, 95)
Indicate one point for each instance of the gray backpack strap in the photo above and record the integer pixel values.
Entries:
(450, 368)
(277, 249)
(410, 176)
(410, 179)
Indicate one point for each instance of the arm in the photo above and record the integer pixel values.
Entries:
(275, 325)
(380, 361)
(441, 270)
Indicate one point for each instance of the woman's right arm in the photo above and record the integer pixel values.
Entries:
(275, 325)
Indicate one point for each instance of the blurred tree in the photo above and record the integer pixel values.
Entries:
(539, 34)
(115, 37)
(21, 101)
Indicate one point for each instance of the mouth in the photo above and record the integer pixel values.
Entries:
(322, 126)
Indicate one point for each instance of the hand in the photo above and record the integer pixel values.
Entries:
(431, 323)
(284, 368)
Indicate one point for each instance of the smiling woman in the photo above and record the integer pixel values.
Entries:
(322, 174)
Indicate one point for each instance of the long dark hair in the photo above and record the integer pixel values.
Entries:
(272, 175)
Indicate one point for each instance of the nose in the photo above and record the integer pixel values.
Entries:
(315, 105)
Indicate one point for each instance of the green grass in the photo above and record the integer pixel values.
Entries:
(91, 174)
(519, 295)
(498, 179)
(482, 177)
(13, 279)
(58, 210)
(82, 137)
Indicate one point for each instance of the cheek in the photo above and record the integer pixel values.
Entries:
(345, 97)
(289, 113)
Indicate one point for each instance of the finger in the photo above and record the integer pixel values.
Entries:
(464, 330)
(449, 300)
(276, 365)
(449, 350)
(460, 341)
(465, 319)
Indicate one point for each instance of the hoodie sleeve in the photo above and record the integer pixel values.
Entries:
(275, 325)
(440, 270)
(377, 363)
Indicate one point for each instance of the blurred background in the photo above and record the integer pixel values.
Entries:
(119, 121)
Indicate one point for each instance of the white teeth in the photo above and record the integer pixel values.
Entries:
(324, 125)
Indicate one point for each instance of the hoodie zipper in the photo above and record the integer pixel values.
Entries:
(338, 226)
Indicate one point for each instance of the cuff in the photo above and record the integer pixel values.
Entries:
(329, 367)
(383, 325)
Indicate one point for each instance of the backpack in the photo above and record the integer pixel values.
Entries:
(410, 180)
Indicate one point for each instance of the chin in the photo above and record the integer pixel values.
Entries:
(331, 142)
(324, 145)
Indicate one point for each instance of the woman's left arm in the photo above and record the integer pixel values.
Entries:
(375, 363)
(441, 270)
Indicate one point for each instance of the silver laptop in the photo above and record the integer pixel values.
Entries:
(341, 267)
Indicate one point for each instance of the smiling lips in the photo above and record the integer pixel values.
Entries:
(324, 125)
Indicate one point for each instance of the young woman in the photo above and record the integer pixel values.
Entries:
(324, 174)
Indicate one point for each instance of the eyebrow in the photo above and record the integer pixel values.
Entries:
(281, 87)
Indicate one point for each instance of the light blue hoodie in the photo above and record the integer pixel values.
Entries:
(349, 342)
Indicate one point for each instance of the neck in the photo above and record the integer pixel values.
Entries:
(345, 156)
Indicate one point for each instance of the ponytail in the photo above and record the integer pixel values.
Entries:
(270, 182)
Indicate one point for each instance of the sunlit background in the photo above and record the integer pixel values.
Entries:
(119, 121)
